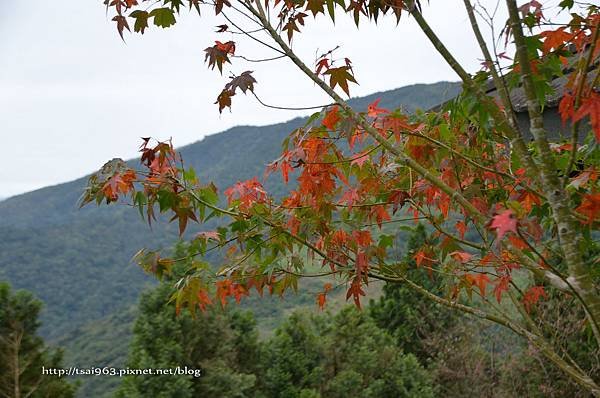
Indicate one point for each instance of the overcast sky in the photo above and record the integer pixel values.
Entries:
(73, 95)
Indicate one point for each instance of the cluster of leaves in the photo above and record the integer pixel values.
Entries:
(263, 231)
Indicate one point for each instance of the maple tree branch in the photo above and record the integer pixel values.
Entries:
(329, 273)
(217, 246)
(402, 157)
(233, 32)
(279, 228)
(414, 219)
(499, 116)
(557, 274)
(534, 327)
(259, 60)
(432, 221)
(251, 36)
(596, 80)
(286, 108)
(474, 163)
(568, 230)
(242, 13)
(498, 80)
(249, 254)
(350, 160)
(535, 339)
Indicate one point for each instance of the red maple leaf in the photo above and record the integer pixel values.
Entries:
(350, 197)
(398, 198)
(503, 223)
(380, 214)
(293, 225)
(554, 39)
(518, 242)
(420, 257)
(362, 263)
(321, 299)
(228, 47)
(360, 159)
(247, 192)
(203, 300)
(528, 200)
(566, 107)
(238, 292)
(121, 24)
(224, 289)
(362, 238)
(322, 64)
(532, 296)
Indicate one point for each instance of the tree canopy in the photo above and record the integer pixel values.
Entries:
(23, 353)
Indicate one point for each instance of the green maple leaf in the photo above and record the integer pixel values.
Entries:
(163, 17)
(141, 20)
(175, 4)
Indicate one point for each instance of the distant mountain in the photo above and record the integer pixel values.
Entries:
(78, 261)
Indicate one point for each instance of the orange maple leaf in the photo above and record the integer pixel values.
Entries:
(374, 111)
(331, 118)
(532, 296)
(501, 286)
(528, 200)
(590, 206)
(355, 291)
(461, 227)
(462, 257)
(554, 39)
(479, 280)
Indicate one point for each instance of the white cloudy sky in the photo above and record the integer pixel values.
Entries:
(73, 95)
